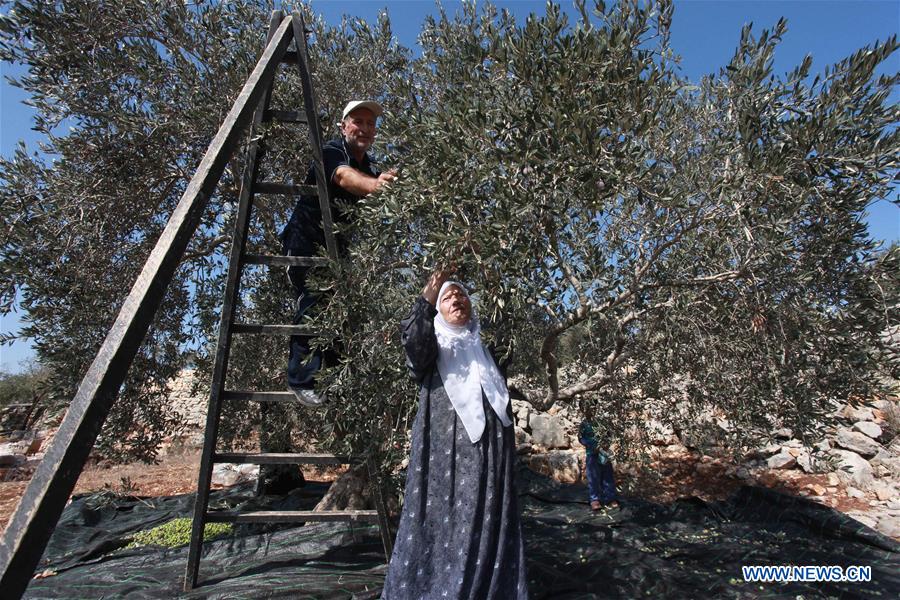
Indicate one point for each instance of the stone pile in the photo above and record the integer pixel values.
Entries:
(861, 458)
(20, 453)
(191, 408)
(858, 460)
(547, 443)
(183, 400)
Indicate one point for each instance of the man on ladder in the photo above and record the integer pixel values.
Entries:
(351, 175)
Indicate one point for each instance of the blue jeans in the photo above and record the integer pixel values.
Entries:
(601, 479)
(303, 364)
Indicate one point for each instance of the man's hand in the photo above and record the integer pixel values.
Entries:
(385, 179)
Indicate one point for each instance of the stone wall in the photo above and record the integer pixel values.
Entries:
(859, 458)
(191, 406)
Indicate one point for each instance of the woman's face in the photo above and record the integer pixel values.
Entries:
(455, 306)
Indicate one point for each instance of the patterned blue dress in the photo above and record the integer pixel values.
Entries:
(460, 535)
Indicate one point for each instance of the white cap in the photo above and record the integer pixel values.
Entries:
(375, 107)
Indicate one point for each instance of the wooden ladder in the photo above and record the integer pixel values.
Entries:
(250, 186)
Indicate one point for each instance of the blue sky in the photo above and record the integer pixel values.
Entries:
(704, 32)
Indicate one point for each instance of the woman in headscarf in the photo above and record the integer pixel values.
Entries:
(460, 534)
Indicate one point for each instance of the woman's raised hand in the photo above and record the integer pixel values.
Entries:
(436, 280)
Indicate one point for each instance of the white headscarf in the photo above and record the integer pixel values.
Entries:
(467, 368)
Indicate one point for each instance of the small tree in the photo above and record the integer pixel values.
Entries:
(24, 397)
(128, 95)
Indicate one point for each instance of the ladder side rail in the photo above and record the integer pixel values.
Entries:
(39, 510)
(315, 135)
(226, 319)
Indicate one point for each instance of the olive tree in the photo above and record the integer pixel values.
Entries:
(703, 243)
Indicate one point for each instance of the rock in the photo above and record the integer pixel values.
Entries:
(891, 463)
(548, 431)
(889, 526)
(868, 428)
(524, 449)
(795, 452)
(857, 442)
(18, 447)
(784, 433)
(523, 410)
(862, 413)
(894, 503)
(12, 460)
(522, 437)
(769, 450)
(562, 465)
(676, 448)
(823, 445)
(227, 474)
(782, 460)
(815, 488)
(833, 480)
(852, 492)
(807, 463)
(863, 518)
(883, 491)
(853, 468)
(883, 404)
(742, 473)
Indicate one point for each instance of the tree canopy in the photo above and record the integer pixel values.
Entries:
(641, 245)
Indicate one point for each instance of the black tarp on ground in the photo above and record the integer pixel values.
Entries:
(690, 549)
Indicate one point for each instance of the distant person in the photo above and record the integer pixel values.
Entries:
(600, 476)
(460, 536)
(351, 175)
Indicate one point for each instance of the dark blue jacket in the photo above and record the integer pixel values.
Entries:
(304, 229)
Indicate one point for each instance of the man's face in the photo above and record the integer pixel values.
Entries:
(455, 306)
(359, 129)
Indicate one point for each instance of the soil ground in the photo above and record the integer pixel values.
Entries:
(173, 475)
(670, 477)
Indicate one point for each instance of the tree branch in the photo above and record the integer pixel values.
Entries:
(207, 250)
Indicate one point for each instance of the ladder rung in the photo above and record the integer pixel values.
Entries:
(274, 329)
(284, 261)
(282, 458)
(287, 189)
(290, 516)
(259, 396)
(284, 116)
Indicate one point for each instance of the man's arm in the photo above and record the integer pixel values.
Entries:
(358, 183)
